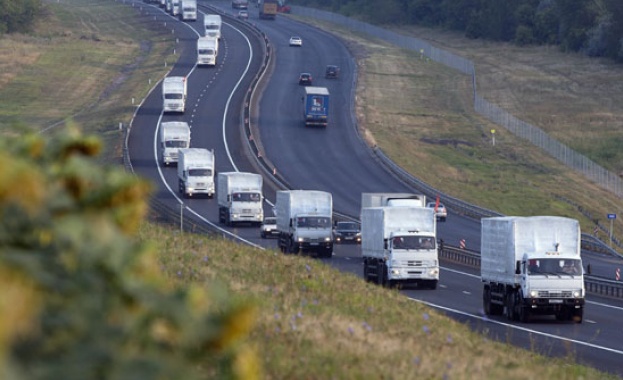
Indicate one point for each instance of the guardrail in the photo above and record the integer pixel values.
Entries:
(593, 284)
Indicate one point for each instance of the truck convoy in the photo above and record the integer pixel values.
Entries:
(174, 135)
(240, 198)
(392, 199)
(188, 10)
(195, 171)
(207, 50)
(304, 221)
(268, 9)
(174, 94)
(316, 106)
(212, 25)
(532, 266)
(399, 246)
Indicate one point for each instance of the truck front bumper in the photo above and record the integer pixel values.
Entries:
(412, 273)
(553, 303)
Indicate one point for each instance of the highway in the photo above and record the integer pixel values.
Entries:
(334, 159)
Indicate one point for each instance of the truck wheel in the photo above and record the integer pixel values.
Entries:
(292, 247)
(382, 274)
(366, 277)
(578, 315)
(524, 314)
(486, 301)
(511, 307)
(328, 253)
(432, 284)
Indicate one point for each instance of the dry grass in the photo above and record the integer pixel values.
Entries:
(77, 64)
(314, 323)
(317, 323)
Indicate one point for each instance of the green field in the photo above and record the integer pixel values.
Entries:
(88, 59)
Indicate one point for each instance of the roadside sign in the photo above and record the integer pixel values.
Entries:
(612, 216)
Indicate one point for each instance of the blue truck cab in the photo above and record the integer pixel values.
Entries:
(316, 102)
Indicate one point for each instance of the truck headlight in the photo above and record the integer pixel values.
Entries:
(327, 239)
(577, 294)
(434, 272)
(533, 294)
(300, 240)
(395, 272)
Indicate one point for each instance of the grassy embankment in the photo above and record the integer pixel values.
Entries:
(313, 322)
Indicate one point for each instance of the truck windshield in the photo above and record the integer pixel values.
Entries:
(246, 197)
(554, 266)
(199, 172)
(205, 52)
(413, 242)
(314, 222)
(173, 96)
(176, 144)
(212, 27)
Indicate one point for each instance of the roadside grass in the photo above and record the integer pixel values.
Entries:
(77, 65)
(420, 114)
(315, 322)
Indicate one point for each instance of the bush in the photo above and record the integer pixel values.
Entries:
(82, 298)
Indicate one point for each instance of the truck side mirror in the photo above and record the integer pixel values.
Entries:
(385, 244)
(290, 222)
(518, 267)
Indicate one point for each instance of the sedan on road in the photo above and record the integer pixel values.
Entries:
(347, 232)
(296, 41)
(305, 79)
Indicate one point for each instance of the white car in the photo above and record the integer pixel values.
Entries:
(269, 227)
(441, 213)
(296, 41)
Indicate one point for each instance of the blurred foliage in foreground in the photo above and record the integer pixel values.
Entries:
(82, 298)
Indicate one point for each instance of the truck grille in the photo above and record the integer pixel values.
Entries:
(412, 263)
(555, 294)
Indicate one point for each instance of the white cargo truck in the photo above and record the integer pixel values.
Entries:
(188, 10)
(207, 50)
(195, 171)
(168, 6)
(175, 7)
(174, 93)
(304, 222)
(174, 135)
(392, 199)
(532, 266)
(212, 25)
(399, 246)
(240, 198)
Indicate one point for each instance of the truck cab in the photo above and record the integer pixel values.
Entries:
(212, 24)
(195, 171)
(174, 135)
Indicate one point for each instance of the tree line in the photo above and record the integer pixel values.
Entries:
(591, 27)
(18, 16)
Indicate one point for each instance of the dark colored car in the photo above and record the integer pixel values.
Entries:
(305, 79)
(346, 232)
(332, 72)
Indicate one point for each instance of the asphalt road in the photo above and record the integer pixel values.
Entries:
(334, 159)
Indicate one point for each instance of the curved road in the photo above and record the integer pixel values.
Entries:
(335, 160)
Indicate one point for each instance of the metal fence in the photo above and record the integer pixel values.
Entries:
(606, 179)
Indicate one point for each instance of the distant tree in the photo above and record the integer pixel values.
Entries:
(546, 23)
(82, 298)
(576, 18)
(18, 16)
